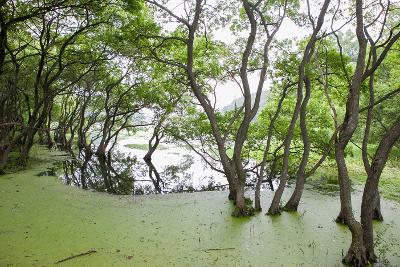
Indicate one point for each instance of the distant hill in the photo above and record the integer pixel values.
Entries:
(239, 101)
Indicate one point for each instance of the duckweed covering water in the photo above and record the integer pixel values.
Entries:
(44, 221)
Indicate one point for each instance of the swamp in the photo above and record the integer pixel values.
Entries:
(200, 133)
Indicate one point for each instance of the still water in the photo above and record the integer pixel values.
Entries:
(173, 169)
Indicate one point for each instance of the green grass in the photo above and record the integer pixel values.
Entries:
(38, 154)
(389, 184)
(144, 146)
(390, 179)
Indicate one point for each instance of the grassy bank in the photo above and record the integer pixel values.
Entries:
(389, 184)
(144, 146)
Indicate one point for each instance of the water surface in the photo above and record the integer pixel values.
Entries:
(44, 221)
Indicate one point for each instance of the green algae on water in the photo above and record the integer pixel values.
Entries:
(44, 221)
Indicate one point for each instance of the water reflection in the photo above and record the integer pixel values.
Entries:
(123, 174)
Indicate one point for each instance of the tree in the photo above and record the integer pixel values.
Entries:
(357, 254)
(261, 25)
(300, 108)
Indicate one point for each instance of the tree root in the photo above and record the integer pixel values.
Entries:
(377, 215)
(290, 207)
(371, 256)
(246, 212)
(231, 196)
(257, 209)
(274, 211)
(340, 219)
(356, 257)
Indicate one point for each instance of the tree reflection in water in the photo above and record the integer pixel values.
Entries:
(121, 174)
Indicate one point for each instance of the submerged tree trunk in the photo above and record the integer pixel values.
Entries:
(356, 254)
(104, 169)
(156, 137)
(370, 207)
(240, 202)
(84, 168)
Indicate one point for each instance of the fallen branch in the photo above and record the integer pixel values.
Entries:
(77, 255)
(216, 249)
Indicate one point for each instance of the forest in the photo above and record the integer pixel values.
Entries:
(277, 98)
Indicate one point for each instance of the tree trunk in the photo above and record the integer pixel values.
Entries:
(356, 254)
(377, 214)
(26, 146)
(49, 140)
(275, 208)
(105, 174)
(370, 202)
(153, 171)
(101, 150)
(3, 41)
(294, 200)
(84, 168)
(257, 197)
(240, 207)
(308, 52)
(4, 152)
(232, 191)
(257, 201)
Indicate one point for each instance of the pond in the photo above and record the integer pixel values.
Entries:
(173, 169)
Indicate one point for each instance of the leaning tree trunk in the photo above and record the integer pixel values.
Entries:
(370, 200)
(33, 127)
(275, 208)
(156, 137)
(294, 200)
(101, 149)
(257, 201)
